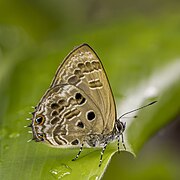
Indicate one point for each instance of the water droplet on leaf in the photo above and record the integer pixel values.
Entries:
(61, 171)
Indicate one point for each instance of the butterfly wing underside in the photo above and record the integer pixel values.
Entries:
(82, 85)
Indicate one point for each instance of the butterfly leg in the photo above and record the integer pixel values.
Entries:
(118, 142)
(78, 152)
(123, 141)
(102, 153)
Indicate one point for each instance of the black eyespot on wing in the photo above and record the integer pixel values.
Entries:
(73, 80)
(54, 106)
(96, 65)
(81, 65)
(80, 124)
(78, 96)
(61, 102)
(39, 119)
(54, 113)
(80, 99)
(91, 115)
(75, 142)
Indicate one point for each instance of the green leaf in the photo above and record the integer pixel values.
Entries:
(27, 75)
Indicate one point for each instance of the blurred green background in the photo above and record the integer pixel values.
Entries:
(135, 40)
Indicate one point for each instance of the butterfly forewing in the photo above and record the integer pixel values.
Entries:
(83, 69)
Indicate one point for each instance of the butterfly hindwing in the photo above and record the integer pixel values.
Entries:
(69, 116)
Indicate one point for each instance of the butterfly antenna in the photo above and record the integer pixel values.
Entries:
(137, 109)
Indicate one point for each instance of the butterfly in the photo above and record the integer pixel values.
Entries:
(78, 109)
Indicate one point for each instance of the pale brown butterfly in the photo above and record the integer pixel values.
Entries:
(78, 109)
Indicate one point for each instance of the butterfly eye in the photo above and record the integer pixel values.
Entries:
(120, 126)
(39, 119)
(41, 137)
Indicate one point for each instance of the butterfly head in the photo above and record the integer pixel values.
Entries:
(119, 127)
